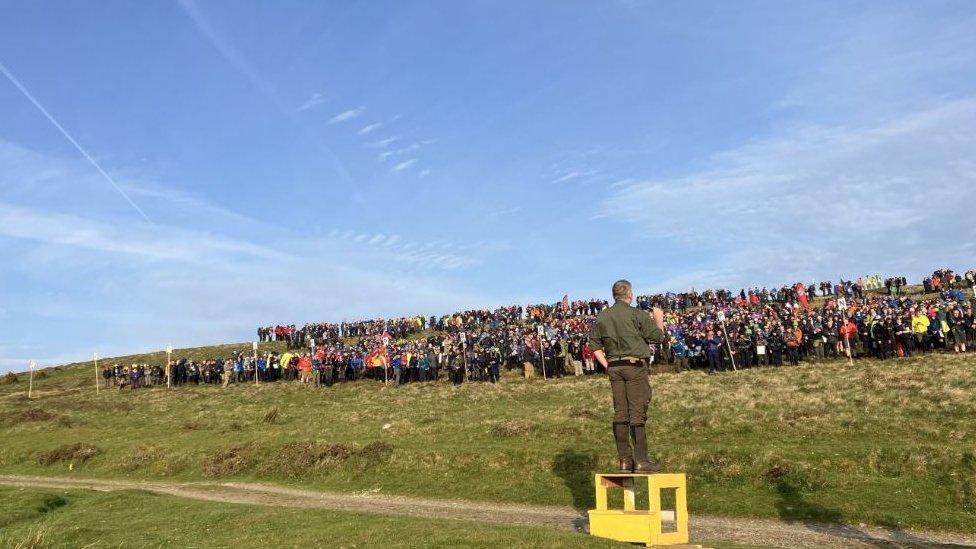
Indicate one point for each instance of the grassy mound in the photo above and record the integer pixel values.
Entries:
(35, 519)
(883, 443)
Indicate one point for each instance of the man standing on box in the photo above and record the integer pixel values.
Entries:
(620, 341)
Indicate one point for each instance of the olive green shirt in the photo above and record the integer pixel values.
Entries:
(622, 330)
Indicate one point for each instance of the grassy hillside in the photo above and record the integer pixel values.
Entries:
(135, 519)
(883, 443)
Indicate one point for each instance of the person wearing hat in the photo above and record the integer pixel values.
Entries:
(620, 340)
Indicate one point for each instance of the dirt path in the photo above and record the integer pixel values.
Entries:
(761, 532)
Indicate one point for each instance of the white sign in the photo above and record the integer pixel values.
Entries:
(464, 337)
(169, 349)
(721, 316)
(30, 386)
(386, 341)
(541, 329)
(254, 345)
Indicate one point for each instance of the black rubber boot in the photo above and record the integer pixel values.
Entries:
(641, 463)
(621, 436)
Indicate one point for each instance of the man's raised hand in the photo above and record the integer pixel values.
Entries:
(658, 315)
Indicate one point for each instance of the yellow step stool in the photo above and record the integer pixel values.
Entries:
(639, 526)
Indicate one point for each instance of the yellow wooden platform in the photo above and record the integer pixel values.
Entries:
(640, 526)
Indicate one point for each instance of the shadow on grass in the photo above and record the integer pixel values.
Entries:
(827, 521)
(576, 469)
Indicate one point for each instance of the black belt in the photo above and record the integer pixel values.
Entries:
(627, 362)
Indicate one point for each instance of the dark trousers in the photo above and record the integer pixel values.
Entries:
(794, 354)
(921, 343)
(831, 347)
(715, 361)
(746, 357)
(907, 344)
(631, 393)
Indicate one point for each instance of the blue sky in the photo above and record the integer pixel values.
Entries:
(296, 161)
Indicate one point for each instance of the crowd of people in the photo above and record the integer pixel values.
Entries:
(710, 330)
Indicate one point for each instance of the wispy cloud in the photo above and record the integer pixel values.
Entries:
(397, 152)
(383, 143)
(882, 60)
(347, 115)
(366, 130)
(575, 174)
(424, 172)
(173, 244)
(827, 195)
(622, 182)
(426, 255)
(404, 165)
(314, 100)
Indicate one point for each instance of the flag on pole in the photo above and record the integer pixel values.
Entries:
(565, 302)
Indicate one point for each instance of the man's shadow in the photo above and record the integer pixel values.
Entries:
(824, 520)
(791, 506)
(577, 469)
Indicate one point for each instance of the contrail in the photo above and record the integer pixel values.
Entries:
(67, 136)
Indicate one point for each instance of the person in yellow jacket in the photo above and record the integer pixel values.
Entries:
(285, 363)
(920, 325)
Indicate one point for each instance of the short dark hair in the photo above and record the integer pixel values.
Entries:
(621, 288)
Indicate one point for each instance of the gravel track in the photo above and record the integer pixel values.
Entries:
(757, 532)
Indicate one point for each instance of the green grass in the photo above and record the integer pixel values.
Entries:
(881, 443)
(45, 518)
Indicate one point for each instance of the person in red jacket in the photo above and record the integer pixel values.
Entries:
(588, 360)
(305, 368)
(801, 294)
(794, 338)
(848, 332)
